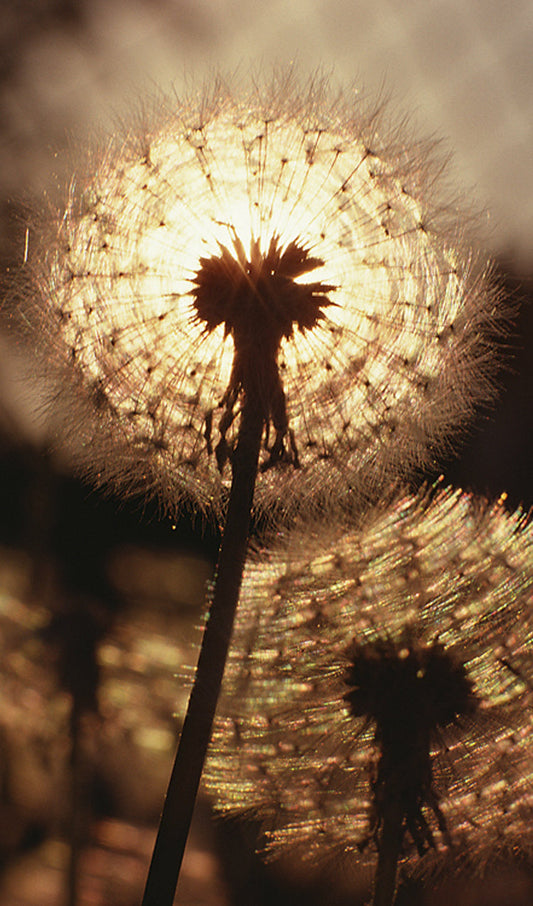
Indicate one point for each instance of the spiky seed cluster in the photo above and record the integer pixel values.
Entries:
(278, 243)
(410, 692)
(392, 661)
(239, 294)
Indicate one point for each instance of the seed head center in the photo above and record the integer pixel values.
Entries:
(256, 297)
(410, 692)
(259, 301)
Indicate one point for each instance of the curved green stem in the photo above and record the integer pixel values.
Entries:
(195, 735)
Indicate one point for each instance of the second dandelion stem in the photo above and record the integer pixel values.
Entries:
(389, 851)
(186, 773)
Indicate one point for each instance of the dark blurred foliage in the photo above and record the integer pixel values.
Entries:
(99, 606)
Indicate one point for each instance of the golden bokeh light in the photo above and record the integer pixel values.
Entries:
(435, 591)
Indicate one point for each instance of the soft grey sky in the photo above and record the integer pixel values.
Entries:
(464, 70)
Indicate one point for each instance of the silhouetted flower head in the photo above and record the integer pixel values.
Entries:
(283, 244)
(380, 668)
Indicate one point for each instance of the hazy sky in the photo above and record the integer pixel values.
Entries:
(462, 68)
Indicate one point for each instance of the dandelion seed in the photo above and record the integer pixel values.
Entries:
(378, 696)
(279, 245)
(256, 295)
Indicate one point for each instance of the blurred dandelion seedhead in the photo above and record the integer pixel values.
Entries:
(382, 668)
(281, 246)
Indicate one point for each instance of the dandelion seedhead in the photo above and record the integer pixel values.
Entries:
(386, 670)
(283, 246)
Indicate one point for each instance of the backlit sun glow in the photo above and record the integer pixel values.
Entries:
(392, 363)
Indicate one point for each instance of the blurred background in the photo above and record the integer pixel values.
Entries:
(100, 601)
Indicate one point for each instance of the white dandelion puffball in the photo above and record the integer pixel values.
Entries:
(390, 664)
(282, 246)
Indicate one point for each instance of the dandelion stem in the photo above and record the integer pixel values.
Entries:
(389, 851)
(186, 773)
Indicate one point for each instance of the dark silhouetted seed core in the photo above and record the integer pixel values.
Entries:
(259, 302)
(410, 692)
